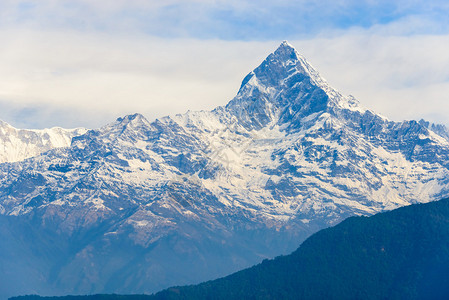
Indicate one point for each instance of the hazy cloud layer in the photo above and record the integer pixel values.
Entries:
(120, 75)
(401, 77)
(221, 19)
(84, 63)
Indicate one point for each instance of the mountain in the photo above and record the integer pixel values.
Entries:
(19, 144)
(137, 206)
(401, 254)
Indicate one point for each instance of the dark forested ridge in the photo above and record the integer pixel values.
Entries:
(91, 297)
(402, 254)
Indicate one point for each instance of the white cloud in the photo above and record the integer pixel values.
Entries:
(116, 75)
(78, 78)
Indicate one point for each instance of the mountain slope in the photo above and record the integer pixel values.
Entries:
(137, 206)
(401, 254)
(20, 144)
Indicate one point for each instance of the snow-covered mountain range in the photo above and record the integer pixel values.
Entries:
(136, 206)
(19, 144)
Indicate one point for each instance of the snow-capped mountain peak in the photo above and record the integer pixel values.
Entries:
(134, 120)
(276, 70)
(285, 88)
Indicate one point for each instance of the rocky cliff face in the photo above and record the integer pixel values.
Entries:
(136, 206)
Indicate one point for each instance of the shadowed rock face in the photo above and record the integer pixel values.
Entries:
(136, 206)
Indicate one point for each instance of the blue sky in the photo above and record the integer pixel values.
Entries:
(84, 63)
(225, 20)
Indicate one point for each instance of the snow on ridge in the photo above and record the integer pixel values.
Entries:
(19, 144)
